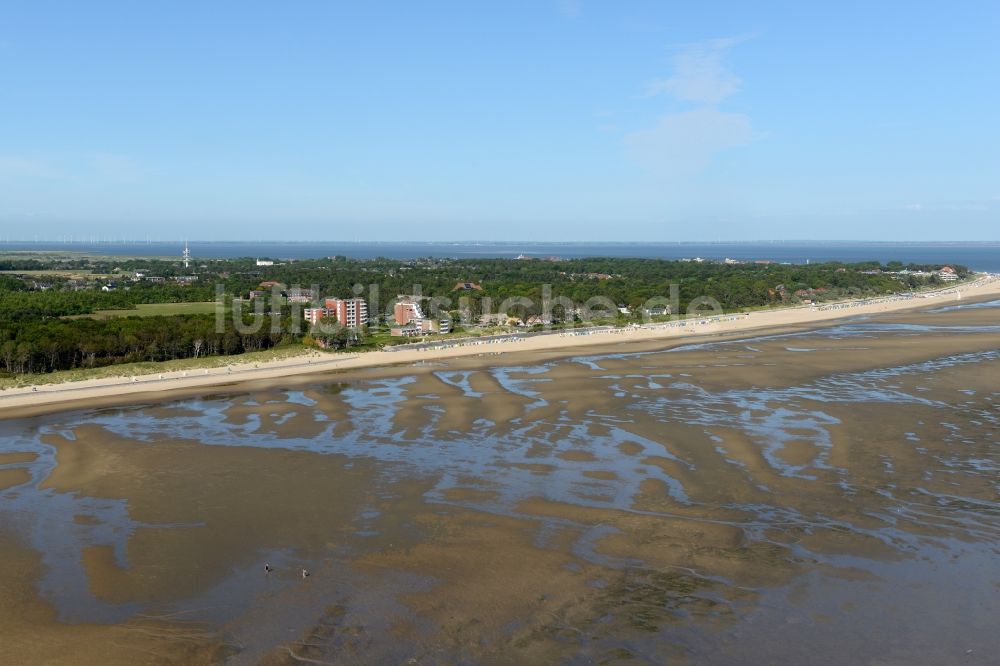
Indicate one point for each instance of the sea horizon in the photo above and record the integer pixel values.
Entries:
(977, 255)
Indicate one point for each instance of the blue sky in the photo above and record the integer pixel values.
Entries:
(548, 120)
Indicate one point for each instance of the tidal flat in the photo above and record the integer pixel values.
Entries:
(815, 496)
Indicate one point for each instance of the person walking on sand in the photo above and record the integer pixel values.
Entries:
(305, 574)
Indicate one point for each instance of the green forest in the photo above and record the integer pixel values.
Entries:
(38, 297)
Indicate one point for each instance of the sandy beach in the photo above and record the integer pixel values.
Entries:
(43, 398)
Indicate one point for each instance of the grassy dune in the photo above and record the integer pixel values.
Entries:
(155, 367)
(153, 310)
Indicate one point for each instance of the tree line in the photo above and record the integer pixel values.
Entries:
(35, 336)
(39, 345)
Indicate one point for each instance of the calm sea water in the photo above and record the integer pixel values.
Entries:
(984, 256)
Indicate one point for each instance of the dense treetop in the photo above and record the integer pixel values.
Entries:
(37, 295)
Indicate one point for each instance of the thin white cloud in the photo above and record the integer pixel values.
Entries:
(114, 167)
(700, 74)
(98, 167)
(569, 8)
(974, 206)
(683, 144)
(16, 166)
